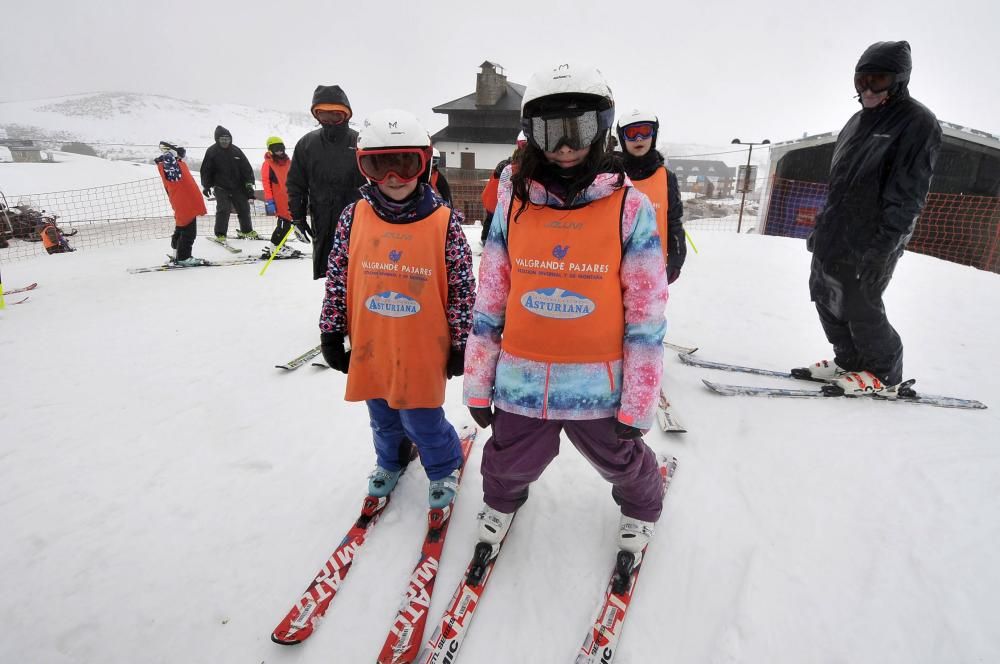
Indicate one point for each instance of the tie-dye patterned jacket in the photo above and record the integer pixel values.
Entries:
(627, 389)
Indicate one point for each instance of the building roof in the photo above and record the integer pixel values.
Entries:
(511, 101)
(701, 167)
(477, 135)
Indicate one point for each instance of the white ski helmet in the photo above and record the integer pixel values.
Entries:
(392, 128)
(567, 79)
(636, 116)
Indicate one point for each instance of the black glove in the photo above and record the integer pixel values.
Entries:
(456, 362)
(303, 227)
(673, 274)
(332, 345)
(872, 267)
(482, 416)
(207, 191)
(626, 432)
(251, 194)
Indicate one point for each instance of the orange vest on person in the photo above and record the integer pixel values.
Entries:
(185, 197)
(50, 236)
(565, 302)
(276, 190)
(397, 304)
(656, 188)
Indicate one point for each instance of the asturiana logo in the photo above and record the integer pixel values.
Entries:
(557, 303)
(392, 304)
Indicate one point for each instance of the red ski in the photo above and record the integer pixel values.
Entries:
(601, 643)
(403, 642)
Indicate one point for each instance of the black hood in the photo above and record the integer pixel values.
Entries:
(221, 131)
(888, 56)
(330, 94)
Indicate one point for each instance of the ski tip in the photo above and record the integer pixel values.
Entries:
(284, 642)
(468, 431)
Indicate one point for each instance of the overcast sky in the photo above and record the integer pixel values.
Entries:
(711, 70)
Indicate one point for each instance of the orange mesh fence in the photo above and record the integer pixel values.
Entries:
(954, 227)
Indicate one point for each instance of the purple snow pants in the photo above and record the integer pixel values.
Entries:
(521, 447)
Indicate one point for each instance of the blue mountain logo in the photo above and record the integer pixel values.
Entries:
(557, 303)
(395, 255)
(560, 251)
(392, 304)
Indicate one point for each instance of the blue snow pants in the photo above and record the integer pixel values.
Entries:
(434, 436)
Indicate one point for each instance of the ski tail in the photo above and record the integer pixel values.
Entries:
(294, 364)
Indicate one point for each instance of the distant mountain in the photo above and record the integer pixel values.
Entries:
(122, 125)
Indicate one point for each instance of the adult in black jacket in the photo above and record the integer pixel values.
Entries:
(324, 177)
(227, 173)
(879, 179)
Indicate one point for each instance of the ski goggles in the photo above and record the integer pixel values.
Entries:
(875, 81)
(639, 131)
(406, 164)
(331, 117)
(575, 130)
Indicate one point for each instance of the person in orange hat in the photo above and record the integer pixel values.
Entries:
(324, 177)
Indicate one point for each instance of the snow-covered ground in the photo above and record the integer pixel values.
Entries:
(167, 493)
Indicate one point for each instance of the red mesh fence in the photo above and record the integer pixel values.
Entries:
(954, 227)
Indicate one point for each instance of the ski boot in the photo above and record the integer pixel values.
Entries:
(191, 262)
(633, 534)
(249, 235)
(381, 482)
(860, 382)
(824, 371)
(441, 492)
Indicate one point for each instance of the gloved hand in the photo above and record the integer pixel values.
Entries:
(673, 274)
(303, 227)
(332, 345)
(482, 416)
(872, 267)
(251, 193)
(207, 191)
(270, 208)
(456, 362)
(626, 432)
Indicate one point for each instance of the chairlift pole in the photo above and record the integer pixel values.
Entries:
(746, 177)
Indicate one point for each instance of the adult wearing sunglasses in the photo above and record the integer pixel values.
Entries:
(323, 178)
(568, 326)
(879, 179)
(637, 133)
(400, 284)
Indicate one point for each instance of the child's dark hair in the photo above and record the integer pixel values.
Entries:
(533, 161)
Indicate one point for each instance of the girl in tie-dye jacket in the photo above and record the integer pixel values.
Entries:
(568, 325)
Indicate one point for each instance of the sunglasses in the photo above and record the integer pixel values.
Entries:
(407, 164)
(874, 81)
(638, 131)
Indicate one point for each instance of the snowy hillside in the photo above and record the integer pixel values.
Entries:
(127, 125)
(167, 493)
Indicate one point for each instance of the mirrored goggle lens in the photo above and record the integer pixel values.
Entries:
(404, 165)
(639, 130)
(576, 132)
(876, 82)
(332, 117)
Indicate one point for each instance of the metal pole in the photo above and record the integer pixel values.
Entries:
(746, 185)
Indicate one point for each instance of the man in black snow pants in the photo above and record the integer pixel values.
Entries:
(324, 177)
(227, 171)
(879, 178)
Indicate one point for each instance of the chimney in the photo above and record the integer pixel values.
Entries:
(491, 84)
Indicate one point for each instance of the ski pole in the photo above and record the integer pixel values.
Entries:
(690, 241)
(275, 252)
